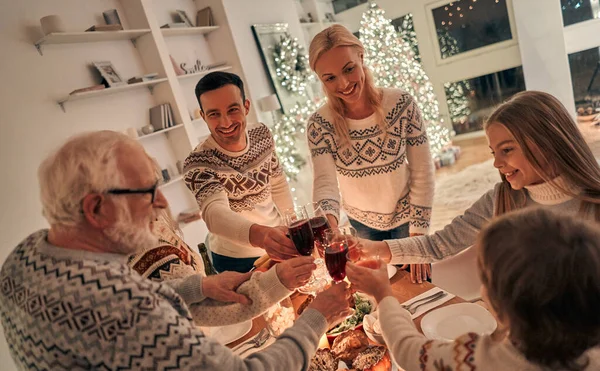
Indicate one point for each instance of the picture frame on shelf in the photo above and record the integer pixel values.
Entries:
(329, 17)
(204, 18)
(111, 16)
(109, 73)
(184, 17)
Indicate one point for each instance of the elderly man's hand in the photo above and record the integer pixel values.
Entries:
(296, 272)
(274, 240)
(222, 287)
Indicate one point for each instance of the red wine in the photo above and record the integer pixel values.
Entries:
(319, 225)
(335, 260)
(302, 236)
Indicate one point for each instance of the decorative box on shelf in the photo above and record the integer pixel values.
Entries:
(447, 157)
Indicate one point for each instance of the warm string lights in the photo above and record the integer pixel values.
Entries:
(285, 134)
(394, 64)
(291, 64)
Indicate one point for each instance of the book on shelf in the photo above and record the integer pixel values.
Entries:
(144, 78)
(174, 25)
(204, 18)
(86, 89)
(105, 27)
(161, 117)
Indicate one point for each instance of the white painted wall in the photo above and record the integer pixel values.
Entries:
(543, 51)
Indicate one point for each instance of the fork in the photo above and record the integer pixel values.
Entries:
(260, 338)
(425, 299)
(413, 310)
(258, 342)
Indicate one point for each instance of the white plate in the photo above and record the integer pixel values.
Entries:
(448, 323)
(391, 270)
(227, 334)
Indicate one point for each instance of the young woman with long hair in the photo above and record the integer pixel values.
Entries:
(543, 160)
(368, 144)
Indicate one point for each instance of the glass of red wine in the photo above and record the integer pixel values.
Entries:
(338, 242)
(299, 229)
(319, 224)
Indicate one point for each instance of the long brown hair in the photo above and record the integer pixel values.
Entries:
(542, 125)
(333, 37)
(541, 271)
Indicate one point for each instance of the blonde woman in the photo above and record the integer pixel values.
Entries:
(543, 160)
(368, 144)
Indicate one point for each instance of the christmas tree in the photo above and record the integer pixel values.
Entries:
(393, 63)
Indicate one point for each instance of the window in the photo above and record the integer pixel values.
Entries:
(471, 101)
(575, 11)
(470, 24)
(341, 5)
(585, 75)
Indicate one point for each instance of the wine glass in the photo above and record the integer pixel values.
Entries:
(338, 242)
(319, 224)
(298, 224)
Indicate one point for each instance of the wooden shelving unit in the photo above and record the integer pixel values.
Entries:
(109, 91)
(178, 178)
(188, 31)
(88, 37)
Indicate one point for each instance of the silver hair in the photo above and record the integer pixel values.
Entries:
(86, 163)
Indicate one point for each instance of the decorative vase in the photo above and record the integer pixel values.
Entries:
(148, 129)
(51, 23)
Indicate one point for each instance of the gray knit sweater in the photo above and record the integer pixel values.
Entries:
(68, 310)
(463, 230)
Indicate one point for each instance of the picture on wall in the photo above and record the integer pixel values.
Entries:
(109, 73)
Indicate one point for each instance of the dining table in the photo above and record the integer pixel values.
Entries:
(402, 288)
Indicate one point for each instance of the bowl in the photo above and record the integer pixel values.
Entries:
(368, 323)
(359, 326)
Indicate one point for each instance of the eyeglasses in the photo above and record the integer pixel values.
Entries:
(152, 190)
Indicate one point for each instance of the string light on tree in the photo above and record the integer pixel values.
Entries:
(291, 65)
(393, 63)
(285, 134)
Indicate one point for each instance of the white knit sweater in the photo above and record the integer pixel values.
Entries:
(385, 179)
(235, 190)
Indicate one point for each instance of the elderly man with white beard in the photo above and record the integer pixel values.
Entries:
(68, 300)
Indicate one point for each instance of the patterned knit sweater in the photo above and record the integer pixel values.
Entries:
(385, 179)
(172, 259)
(412, 351)
(463, 230)
(236, 190)
(63, 309)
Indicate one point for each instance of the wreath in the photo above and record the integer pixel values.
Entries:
(291, 65)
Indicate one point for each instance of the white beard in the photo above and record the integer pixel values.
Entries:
(127, 237)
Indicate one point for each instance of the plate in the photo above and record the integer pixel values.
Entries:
(391, 270)
(229, 333)
(448, 323)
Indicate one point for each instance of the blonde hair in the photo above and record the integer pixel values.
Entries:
(339, 36)
(86, 163)
(552, 324)
(542, 125)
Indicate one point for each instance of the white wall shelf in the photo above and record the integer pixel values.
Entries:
(178, 178)
(88, 37)
(188, 31)
(198, 74)
(178, 126)
(109, 91)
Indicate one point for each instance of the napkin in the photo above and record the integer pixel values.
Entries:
(428, 307)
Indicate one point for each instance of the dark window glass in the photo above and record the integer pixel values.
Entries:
(585, 75)
(341, 5)
(470, 24)
(575, 11)
(471, 101)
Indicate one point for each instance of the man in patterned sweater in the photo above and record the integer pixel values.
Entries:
(237, 179)
(69, 301)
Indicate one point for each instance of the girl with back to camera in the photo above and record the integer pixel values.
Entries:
(372, 142)
(540, 274)
(543, 160)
